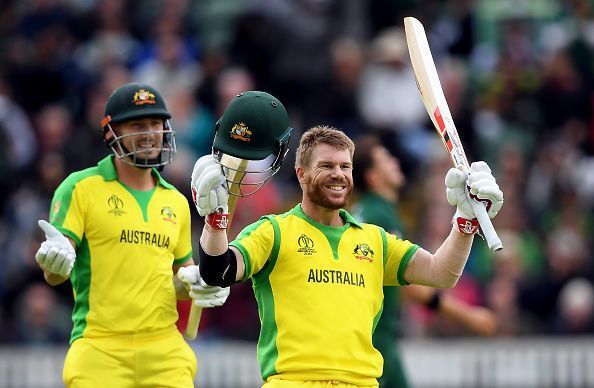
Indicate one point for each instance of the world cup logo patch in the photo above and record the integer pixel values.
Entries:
(306, 245)
(116, 205)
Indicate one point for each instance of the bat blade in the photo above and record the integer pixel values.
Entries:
(439, 112)
(237, 170)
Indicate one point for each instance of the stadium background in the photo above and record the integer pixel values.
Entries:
(518, 76)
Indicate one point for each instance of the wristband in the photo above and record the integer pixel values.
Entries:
(218, 220)
(466, 226)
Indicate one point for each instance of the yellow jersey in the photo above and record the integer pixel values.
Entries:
(319, 293)
(126, 243)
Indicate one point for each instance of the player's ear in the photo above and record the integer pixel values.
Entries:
(300, 174)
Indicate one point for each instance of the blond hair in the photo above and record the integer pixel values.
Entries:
(321, 134)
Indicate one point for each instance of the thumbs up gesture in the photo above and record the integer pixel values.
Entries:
(56, 254)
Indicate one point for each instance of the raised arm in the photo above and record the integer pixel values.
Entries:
(220, 264)
(445, 266)
(219, 260)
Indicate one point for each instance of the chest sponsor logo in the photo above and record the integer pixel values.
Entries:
(116, 205)
(168, 215)
(363, 252)
(306, 245)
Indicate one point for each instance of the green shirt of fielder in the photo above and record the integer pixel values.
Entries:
(374, 209)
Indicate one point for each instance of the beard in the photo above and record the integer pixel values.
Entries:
(317, 196)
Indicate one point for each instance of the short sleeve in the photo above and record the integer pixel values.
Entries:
(68, 210)
(255, 243)
(183, 251)
(398, 254)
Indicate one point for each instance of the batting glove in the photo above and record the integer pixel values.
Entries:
(201, 293)
(55, 255)
(209, 191)
(481, 186)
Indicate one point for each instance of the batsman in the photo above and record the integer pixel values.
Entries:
(119, 232)
(317, 272)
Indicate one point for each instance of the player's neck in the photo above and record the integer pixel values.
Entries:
(134, 177)
(323, 215)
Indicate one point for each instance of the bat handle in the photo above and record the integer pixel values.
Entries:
(493, 240)
(193, 322)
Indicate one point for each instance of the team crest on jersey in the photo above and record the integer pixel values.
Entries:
(116, 205)
(363, 252)
(306, 245)
(168, 215)
(241, 132)
(142, 97)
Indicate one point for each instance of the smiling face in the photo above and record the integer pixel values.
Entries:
(141, 140)
(328, 180)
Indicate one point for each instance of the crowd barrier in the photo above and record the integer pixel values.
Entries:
(515, 362)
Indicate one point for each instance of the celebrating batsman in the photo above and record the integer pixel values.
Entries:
(318, 272)
(120, 232)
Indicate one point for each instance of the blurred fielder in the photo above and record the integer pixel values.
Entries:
(120, 232)
(318, 272)
(377, 173)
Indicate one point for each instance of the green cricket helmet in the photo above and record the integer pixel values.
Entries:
(254, 127)
(136, 101)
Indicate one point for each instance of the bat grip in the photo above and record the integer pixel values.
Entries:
(193, 322)
(493, 240)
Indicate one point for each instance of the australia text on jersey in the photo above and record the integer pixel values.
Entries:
(335, 276)
(145, 238)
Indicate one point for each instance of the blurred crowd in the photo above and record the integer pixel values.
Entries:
(518, 77)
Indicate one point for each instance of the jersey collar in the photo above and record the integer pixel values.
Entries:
(108, 171)
(349, 219)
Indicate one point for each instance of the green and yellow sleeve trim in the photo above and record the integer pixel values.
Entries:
(404, 263)
(182, 260)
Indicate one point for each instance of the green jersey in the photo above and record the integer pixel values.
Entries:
(375, 209)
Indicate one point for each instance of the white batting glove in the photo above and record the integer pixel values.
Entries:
(55, 255)
(482, 188)
(201, 293)
(209, 187)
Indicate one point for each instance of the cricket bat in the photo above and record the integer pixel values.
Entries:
(439, 112)
(237, 170)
